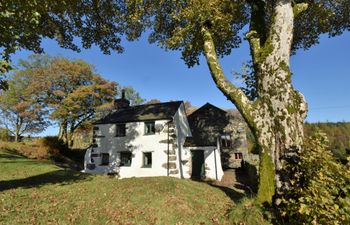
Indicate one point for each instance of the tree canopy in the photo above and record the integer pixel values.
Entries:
(21, 112)
(24, 24)
(176, 25)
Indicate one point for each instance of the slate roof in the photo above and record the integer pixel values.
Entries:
(158, 111)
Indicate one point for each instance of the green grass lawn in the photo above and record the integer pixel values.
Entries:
(38, 192)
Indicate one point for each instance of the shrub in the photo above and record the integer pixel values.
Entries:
(4, 134)
(40, 148)
(53, 145)
(247, 212)
(320, 188)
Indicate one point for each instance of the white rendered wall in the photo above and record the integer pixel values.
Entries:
(210, 154)
(137, 142)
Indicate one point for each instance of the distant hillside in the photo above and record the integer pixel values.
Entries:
(338, 135)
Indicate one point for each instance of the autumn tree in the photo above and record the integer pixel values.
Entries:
(21, 112)
(73, 92)
(189, 107)
(153, 101)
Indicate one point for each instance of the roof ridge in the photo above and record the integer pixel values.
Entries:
(159, 103)
(143, 112)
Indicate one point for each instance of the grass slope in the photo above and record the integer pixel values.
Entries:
(38, 192)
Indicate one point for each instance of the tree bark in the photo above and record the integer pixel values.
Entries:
(62, 134)
(276, 117)
(70, 137)
(18, 129)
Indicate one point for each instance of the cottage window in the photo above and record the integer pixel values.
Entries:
(147, 159)
(96, 132)
(120, 130)
(150, 128)
(226, 141)
(104, 159)
(125, 158)
(238, 155)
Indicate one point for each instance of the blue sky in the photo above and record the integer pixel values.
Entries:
(322, 74)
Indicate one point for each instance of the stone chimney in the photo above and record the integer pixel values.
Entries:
(121, 102)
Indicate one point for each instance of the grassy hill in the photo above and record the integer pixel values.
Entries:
(38, 192)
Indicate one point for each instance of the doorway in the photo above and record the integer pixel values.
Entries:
(198, 166)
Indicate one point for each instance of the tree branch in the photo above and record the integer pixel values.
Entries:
(257, 29)
(81, 121)
(233, 93)
(299, 8)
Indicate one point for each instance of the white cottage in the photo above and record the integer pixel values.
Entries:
(147, 140)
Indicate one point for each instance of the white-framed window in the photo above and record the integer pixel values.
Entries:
(120, 130)
(125, 158)
(150, 128)
(104, 159)
(147, 159)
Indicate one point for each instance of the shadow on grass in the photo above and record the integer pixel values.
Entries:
(61, 177)
(235, 196)
(11, 154)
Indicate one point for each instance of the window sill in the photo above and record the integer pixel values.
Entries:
(146, 167)
(98, 136)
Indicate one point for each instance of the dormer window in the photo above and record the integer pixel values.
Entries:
(150, 128)
(120, 130)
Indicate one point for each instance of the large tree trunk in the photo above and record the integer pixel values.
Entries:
(70, 137)
(281, 110)
(18, 129)
(276, 117)
(63, 134)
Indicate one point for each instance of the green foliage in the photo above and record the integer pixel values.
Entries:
(27, 22)
(331, 17)
(4, 134)
(131, 94)
(338, 135)
(320, 188)
(176, 25)
(247, 76)
(247, 212)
